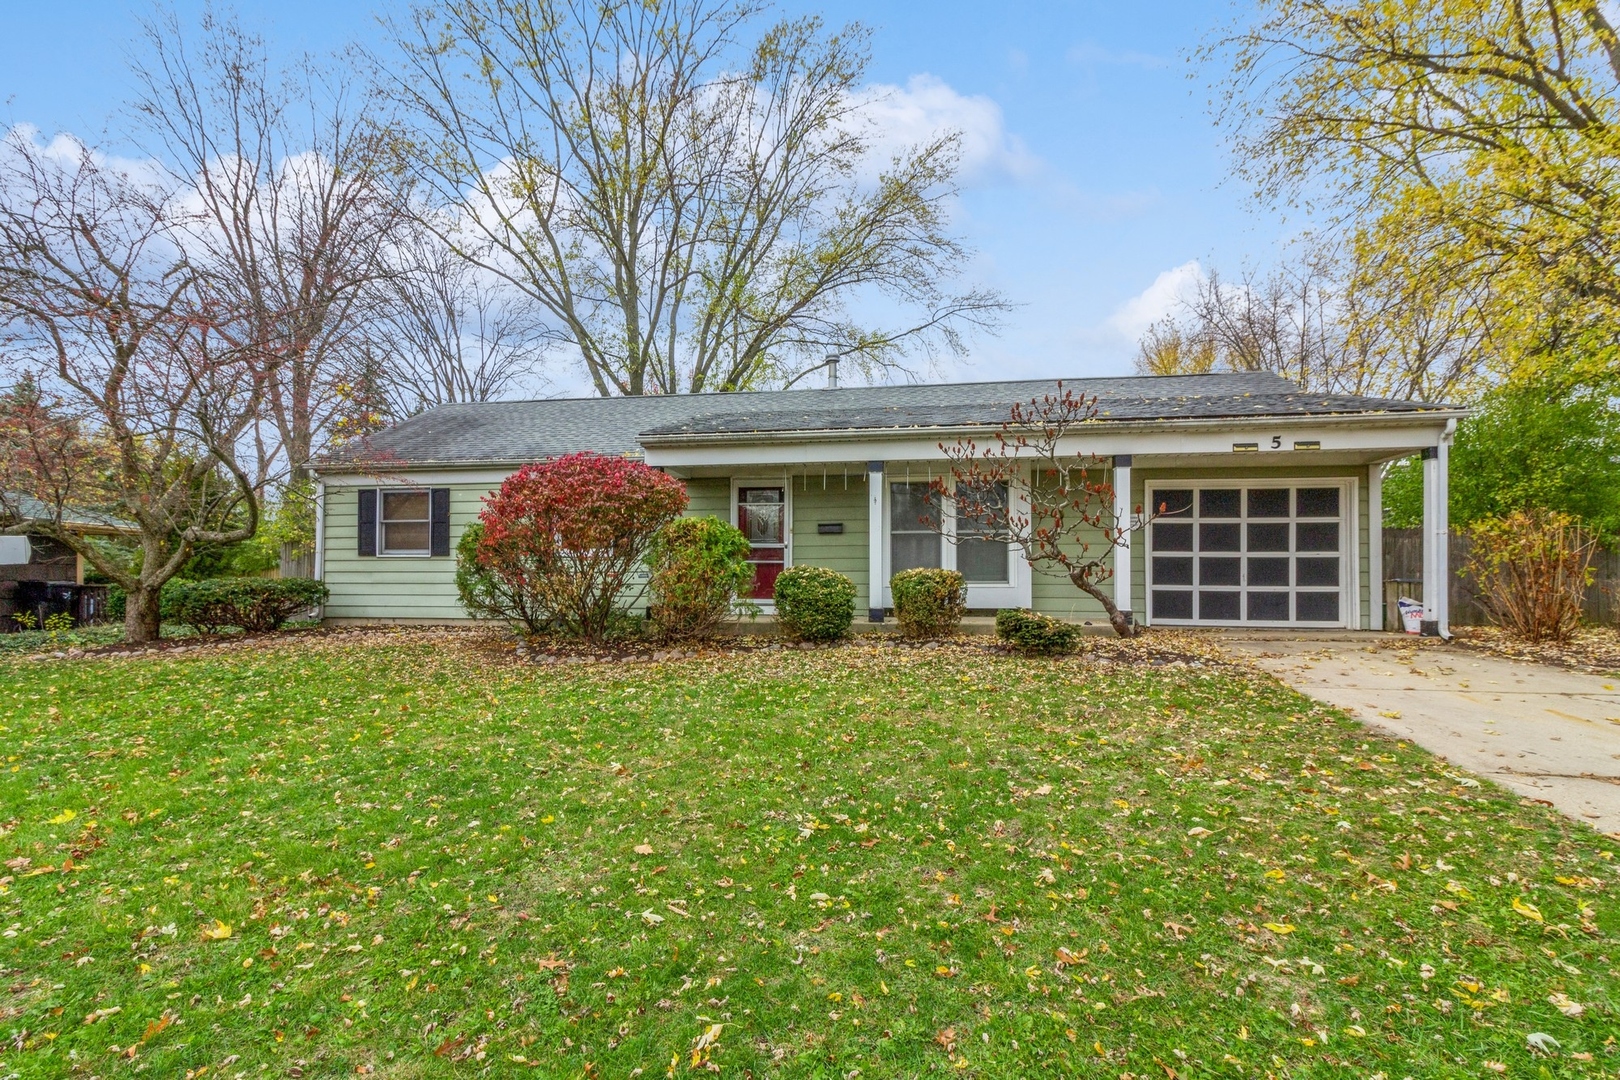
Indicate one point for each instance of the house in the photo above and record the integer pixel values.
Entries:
(1274, 493)
(41, 576)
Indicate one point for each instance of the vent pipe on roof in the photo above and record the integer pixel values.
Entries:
(832, 374)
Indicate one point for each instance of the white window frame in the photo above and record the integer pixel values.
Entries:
(1349, 549)
(768, 606)
(1016, 593)
(382, 500)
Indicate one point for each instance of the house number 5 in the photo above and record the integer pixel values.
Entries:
(1276, 442)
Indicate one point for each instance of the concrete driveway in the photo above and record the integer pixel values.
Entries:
(1535, 730)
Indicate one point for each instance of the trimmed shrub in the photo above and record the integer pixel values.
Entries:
(928, 602)
(814, 603)
(562, 540)
(256, 605)
(699, 568)
(484, 595)
(1028, 631)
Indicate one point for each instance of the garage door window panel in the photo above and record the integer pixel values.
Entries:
(1237, 554)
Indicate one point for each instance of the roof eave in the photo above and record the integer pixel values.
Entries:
(1375, 419)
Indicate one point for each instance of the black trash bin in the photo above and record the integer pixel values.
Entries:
(85, 603)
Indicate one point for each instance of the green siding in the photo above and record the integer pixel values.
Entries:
(1051, 591)
(709, 497)
(817, 500)
(384, 587)
(388, 588)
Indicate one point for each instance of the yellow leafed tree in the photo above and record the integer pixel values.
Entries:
(1465, 149)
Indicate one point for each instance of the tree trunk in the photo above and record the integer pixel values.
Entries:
(1116, 618)
(142, 618)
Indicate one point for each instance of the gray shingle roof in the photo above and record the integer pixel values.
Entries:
(72, 517)
(505, 432)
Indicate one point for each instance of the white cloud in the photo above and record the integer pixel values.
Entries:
(927, 107)
(1167, 292)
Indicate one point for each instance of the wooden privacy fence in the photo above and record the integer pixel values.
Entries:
(1403, 559)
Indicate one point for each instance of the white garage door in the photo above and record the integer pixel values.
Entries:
(1267, 555)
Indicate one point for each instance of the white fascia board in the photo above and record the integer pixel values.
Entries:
(440, 477)
(1383, 434)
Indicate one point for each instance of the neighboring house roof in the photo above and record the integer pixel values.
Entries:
(506, 432)
(73, 518)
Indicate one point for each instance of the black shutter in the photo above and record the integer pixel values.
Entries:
(439, 521)
(368, 521)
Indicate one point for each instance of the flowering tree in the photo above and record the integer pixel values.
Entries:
(566, 535)
(1065, 520)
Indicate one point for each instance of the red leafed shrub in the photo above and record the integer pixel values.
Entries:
(567, 535)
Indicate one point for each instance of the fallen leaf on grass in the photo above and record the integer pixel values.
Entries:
(1562, 1002)
(1528, 910)
(1199, 830)
(218, 932)
(102, 1014)
(643, 849)
(63, 818)
(1279, 928)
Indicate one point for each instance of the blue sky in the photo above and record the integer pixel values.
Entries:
(1094, 176)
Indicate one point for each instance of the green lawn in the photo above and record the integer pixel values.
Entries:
(401, 855)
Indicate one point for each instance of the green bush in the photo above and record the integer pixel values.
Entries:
(928, 602)
(116, 598)
(255, 605)
(699, 568)
(484, 595)
(814, 603)
(1030, 632)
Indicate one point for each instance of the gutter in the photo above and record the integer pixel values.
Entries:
(1385, 419)
(812, 435)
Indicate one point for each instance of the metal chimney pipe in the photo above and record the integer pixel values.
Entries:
(832, 374)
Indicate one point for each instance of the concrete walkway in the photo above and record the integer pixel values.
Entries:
(1536, 730)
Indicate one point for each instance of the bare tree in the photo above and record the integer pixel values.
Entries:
(1033, 491)
(142, 396)
(451, 332)
(687, 209)
(296, 212)
(1367, 331)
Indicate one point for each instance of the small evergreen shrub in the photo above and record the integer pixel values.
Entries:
(814, 603)
(255, 605)
(1031, 632)
(928, 602)
(699, 568)
(116, 599)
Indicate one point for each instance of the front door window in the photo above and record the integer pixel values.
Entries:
(762, 517)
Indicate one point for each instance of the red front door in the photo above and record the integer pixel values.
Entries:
(762, 517)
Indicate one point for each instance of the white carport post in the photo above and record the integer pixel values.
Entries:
(1375, 546)
(1437, 538)
(874, 541)
(1122, 519)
